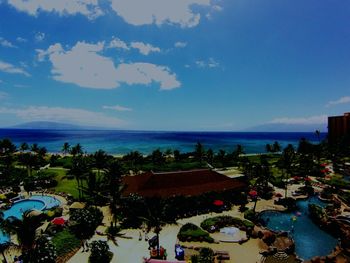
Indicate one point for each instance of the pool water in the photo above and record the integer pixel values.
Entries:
(37, 202)
(310, 240)
(50, 201)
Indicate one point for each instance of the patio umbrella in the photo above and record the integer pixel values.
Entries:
(218, 202)
(278, 195)
(58, 221)
(307, 179)
(253, 193)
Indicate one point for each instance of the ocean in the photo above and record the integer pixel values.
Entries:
(122, 142)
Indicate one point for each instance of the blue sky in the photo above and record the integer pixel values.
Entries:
(174, 65)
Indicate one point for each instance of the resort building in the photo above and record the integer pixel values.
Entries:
(186, 183)
(338, 127)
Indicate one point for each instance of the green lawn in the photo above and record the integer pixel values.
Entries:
(65, 185)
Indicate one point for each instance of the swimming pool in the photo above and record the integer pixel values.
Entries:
(309, 239)
(37, 202)
(50, 201)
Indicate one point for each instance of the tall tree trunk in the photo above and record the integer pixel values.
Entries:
(3, 254)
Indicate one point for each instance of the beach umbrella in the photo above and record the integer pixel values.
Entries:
(218, 202)
(58, 221)
(253, 193)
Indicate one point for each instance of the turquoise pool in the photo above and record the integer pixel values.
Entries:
(37, 202)
(309, 239)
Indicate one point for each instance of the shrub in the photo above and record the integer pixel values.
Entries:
(44, 251)
(85, 221)
(250, 215)
(206, 255)
(100, 252)
(194, 233)
(223, 221)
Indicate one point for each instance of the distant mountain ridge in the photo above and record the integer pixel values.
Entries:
(278, 127)
(49, 125)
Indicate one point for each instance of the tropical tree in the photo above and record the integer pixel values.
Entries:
(287, 159)
(210, 156)
(222, 157)
(199, 152)
(24, 147)
(34, 147)
(66, 148)
(7, 149)
(276, 147)
(3, 247)
(80, 169)
(153, 217)
(24, 228)
(158, 157)
(177, 155)
(28, 160)
(76, 150)
(113, 175)
(100, 161)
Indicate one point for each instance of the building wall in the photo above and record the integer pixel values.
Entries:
(338, 127)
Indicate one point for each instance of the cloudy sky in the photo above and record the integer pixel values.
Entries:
(174, 64)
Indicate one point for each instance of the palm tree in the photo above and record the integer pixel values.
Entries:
(199, 152)
(210, 156)
(66, 148)
(80, 168)
(7, 149)
(34, 148)
(154, 208)
(76, 150)
(28, 160)
(25, 229)
(287, 160)
(113, 174)
(24, 146)
(3, 247)
(222, 157)
(276, 147)
(100, 161)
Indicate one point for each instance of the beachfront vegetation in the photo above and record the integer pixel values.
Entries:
(100, 252)
(97, 179)
(83, 222)
(191, 232)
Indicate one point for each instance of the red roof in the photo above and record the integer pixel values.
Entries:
(188, 183)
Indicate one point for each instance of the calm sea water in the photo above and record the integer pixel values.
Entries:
(121, 142)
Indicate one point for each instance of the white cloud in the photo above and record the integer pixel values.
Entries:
(146, 73)
(117, 43)
(180, 44)
(39, 36)
(21, 39)
(210, 63)
(83, 65)
(117, 108)
(141, 12)
(67, 115)
(9, 68)
(6, 43)
(89, 8)
(320, 119)
(342, 100)
(144, 49)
